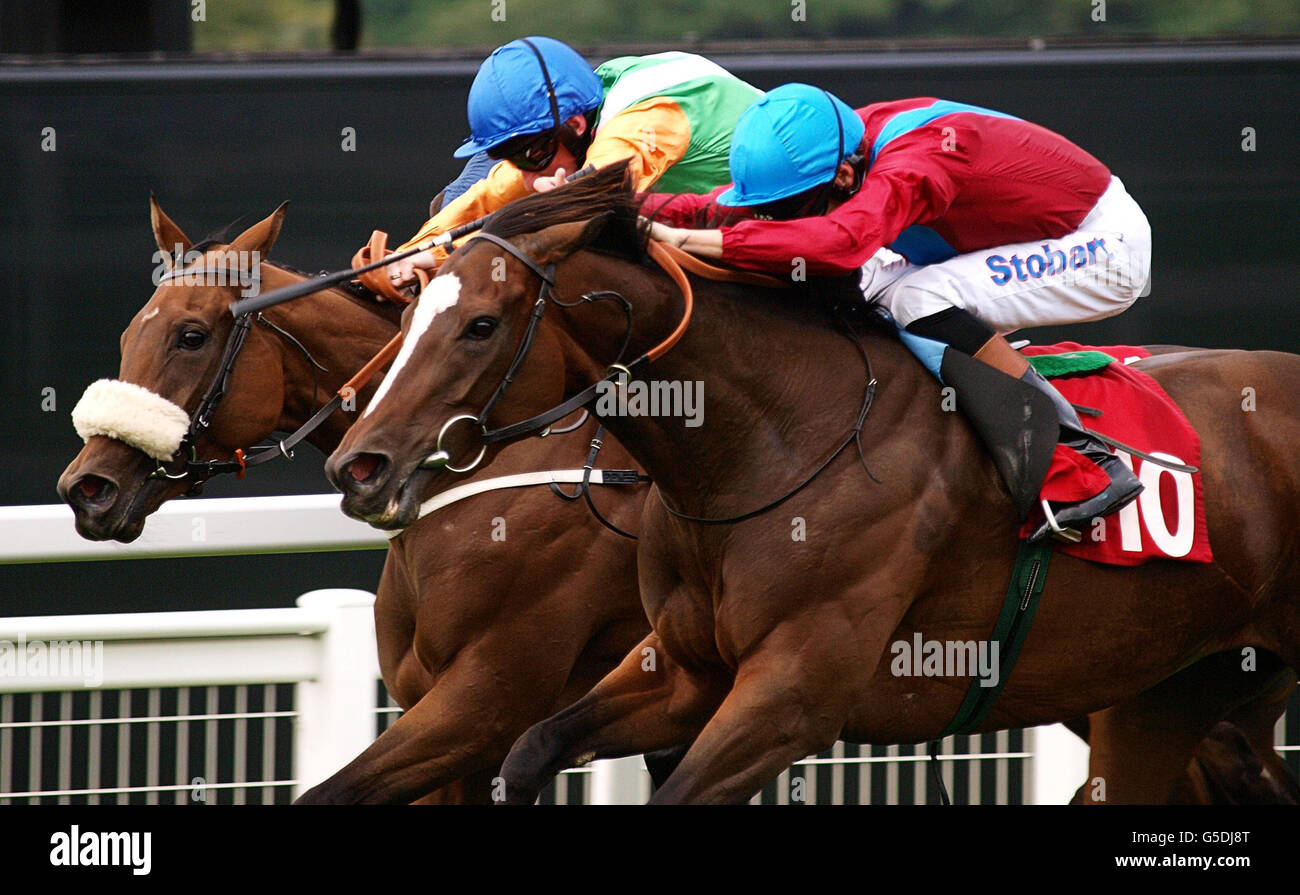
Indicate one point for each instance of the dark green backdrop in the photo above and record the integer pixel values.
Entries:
(219, 141)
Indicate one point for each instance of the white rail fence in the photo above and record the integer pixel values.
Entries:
(258, 705)
(324, 648)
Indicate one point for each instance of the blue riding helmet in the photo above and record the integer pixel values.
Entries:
(528, 86)
(789, 141)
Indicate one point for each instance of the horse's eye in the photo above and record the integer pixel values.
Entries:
(481, 328)
(193, 339)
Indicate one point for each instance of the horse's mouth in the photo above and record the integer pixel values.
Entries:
(122, 521)
(93, 529)
(403, 506)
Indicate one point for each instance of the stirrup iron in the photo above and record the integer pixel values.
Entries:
(1066, 535)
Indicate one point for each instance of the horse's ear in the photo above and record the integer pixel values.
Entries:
(261, 236)
(559, 241)
(172, 242)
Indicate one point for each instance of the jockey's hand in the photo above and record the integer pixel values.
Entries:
(704, 243)
(674, 236)
(546, 184)
(403, 271)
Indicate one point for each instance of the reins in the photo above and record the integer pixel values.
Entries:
(851, 438)
(671, 259)
(854, 437)
(667, 257)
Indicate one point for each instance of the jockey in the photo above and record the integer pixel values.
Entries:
(538, 108)
(965, 223)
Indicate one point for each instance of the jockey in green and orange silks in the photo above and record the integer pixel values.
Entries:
(540, 110)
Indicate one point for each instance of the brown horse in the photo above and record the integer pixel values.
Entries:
(111, 494)
(767, 648)
(478, 637)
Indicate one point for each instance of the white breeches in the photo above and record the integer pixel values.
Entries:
(1095, 272)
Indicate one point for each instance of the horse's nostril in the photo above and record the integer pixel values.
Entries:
(92, 491)
(364, 466)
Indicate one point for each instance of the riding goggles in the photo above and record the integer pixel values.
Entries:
(530, 152)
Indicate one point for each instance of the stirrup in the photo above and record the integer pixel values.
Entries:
(1066, 535)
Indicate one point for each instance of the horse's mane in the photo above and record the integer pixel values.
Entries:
(607, 191)
(352, 290)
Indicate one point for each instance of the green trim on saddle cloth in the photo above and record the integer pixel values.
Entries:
(1053, 365)
(1027, 580)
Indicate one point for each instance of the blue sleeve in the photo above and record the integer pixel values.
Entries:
(476, 169)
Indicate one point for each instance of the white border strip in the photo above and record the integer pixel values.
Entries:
(520, 480)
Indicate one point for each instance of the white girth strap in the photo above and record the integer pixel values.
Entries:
(521, 480)
(132, 414)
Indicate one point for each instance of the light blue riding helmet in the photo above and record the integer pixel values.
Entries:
(789, 141)
(528, 86)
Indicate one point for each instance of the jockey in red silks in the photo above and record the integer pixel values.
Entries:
(964, 223)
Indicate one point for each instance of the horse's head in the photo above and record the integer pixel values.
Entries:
(460, 339)
(171, 352)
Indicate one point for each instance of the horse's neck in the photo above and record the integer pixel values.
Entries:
(341, 335)
(781, 389)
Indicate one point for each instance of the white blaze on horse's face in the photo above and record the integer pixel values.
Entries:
(152, 308)
(442, 294)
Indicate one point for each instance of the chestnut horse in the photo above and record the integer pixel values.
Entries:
(478, 637)
(274, 387)
(767, 648)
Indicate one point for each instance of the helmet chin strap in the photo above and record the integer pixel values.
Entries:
(546, 75)
(854, 160)
(577, 144)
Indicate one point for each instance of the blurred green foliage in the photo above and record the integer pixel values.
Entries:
(271, 25)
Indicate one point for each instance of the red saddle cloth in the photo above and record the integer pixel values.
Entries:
(1167, 521)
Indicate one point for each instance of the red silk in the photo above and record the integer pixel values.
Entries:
(1138, 412)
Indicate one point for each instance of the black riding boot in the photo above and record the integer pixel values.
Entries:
(1124, 486)
(1020, 446)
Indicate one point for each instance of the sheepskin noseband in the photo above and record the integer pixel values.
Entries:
(132, 414)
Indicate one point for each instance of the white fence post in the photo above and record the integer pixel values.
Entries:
(1060, 764)
(619, 781)
(336, 711)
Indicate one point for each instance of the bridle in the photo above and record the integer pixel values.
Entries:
(666, 259)
(671, 259)
(542, 422)
(616, 371)
(199, 471)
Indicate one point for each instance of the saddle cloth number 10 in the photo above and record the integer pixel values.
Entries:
(1176, 544)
